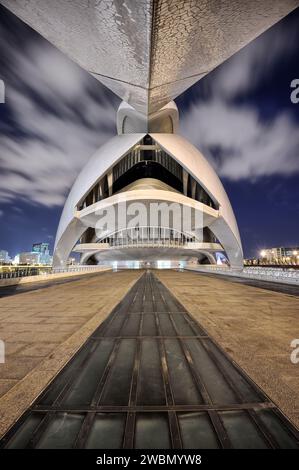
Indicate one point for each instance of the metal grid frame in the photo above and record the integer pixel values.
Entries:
(150, 297)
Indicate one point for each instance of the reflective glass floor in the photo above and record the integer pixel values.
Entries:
(151, 377)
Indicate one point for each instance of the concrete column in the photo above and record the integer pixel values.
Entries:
(193, 188)
(185, 182)
(110, 182)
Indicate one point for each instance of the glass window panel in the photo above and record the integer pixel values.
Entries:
(136, 306)
(63, 378)
(150, 384)
(166, 325)
(148, 305)
(23, 435)
(217, 387)
(242, 431)
(107, 431)
(160, 305)
(183, 386)
(61, 432)
(117, 388)
(284, 439)
(152, 431)
(171, 302)
(182, 326)
(114, 327)
(197, 431)
(131, 326)
(247, 391)
(149, 327)
(85, 385)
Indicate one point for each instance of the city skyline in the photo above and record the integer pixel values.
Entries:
(39, 248)
(257, 160)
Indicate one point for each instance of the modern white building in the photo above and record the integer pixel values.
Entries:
(180, 208)
(148, 52)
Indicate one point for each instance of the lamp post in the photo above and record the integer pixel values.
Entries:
(263, 255)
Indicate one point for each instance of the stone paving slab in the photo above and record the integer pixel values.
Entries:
(254, 326)
(43, 329)
(49, 277)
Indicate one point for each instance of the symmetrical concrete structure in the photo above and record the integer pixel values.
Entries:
(148, 52)
(157, 168)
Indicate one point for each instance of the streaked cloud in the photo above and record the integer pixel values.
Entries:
(239, 144)
(59, 115)
(225, 121)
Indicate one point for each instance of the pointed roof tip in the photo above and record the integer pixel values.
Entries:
(149, 52)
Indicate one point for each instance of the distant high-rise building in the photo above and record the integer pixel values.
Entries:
(27, 258)
(40, 248)
(43, 251)
(4, 257)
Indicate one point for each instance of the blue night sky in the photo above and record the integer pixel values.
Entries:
(240, 116)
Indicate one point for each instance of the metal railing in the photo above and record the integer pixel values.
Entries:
(286, 275)
(79, 269)
(148, 237)
(13, 272)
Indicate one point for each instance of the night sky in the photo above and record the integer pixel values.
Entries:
(240, 117)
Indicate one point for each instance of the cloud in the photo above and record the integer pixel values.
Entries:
(58, 115)
(245, 70)
(239, 144)
(231, 132)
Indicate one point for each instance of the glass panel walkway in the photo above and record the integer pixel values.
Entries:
(151, 377)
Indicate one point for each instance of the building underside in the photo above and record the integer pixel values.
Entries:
(148, 52)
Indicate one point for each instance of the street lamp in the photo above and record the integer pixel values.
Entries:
(263, 255)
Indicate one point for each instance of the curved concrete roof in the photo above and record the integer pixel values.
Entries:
(107, 155)
(71, 227)
(150, 51)
(194, 162)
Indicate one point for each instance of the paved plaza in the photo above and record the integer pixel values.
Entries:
(44, 328)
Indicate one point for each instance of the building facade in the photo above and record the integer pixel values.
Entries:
(44, 253)
(27, 258)
(281, 255)
(180, 208)
(4, 257)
